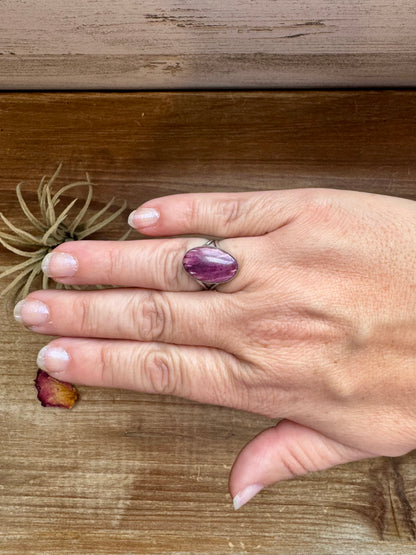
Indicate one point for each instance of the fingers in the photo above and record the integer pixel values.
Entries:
(135, 314)
(149, 264)
(219, 214)
(198, 373)
(283, 452)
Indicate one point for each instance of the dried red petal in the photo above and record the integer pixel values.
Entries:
(54, 393)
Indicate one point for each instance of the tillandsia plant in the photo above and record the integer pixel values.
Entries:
(51, 227)
(71, 223)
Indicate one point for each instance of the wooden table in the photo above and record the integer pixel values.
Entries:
(128, 473)
(155, 44)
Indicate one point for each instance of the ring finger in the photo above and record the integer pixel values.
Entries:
(148, 264)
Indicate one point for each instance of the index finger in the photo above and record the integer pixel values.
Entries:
(219, 214)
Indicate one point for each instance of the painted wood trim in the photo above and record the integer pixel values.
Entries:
(189, 44)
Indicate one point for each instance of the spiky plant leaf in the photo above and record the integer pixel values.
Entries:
(73, 222)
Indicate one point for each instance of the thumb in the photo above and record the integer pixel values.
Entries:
(285, 451)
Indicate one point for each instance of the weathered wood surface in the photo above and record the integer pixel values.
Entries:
(238, 43)
(126, 473)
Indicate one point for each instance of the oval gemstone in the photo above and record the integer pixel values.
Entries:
(210, 265)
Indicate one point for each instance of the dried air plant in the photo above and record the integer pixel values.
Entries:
(53, 227)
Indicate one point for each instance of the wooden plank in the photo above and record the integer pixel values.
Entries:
(249, 43)
(130, 473)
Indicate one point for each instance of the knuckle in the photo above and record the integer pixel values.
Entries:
(169, 264)
(161, 374)
(306, 196)
(155, 317)
(317, 203)
(297, 461)
(231, 210)
(108, 361)
(228, 210)
(114, 262)
(343, 387)
(192, 213)
(229, 384)
(226, 387)
(85, 315)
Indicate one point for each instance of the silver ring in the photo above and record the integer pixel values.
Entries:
(209, 265)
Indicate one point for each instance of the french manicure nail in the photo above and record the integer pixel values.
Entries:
(53, 359)
(31, 313)
(143, 217)
(246, 494)
(59, 265)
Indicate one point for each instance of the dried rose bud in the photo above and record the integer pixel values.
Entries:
(54, 393)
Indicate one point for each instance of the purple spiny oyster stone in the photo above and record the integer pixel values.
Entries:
(210, 265)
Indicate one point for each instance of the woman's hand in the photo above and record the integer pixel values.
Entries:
(318, 327)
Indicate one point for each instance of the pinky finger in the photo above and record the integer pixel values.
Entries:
(199, 373)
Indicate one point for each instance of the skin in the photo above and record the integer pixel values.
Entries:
(318, 328)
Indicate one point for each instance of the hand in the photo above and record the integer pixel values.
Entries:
(318, 327)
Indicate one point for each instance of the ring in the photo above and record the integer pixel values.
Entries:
(209, 265)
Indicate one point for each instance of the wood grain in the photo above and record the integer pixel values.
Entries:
(194, 44)
(126, 473)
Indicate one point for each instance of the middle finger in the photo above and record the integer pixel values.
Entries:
(144, 315)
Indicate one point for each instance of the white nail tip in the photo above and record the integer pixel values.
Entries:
(131, 219)
(40, 361)
(45, 263)
(143, 217)
(17, 312)
(59, 265)
(58, 359)
(245, 495)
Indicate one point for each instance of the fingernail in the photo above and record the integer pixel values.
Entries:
(246, 494)
(59, 265)
(52, 359)
(143, 217)
(31, 313)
